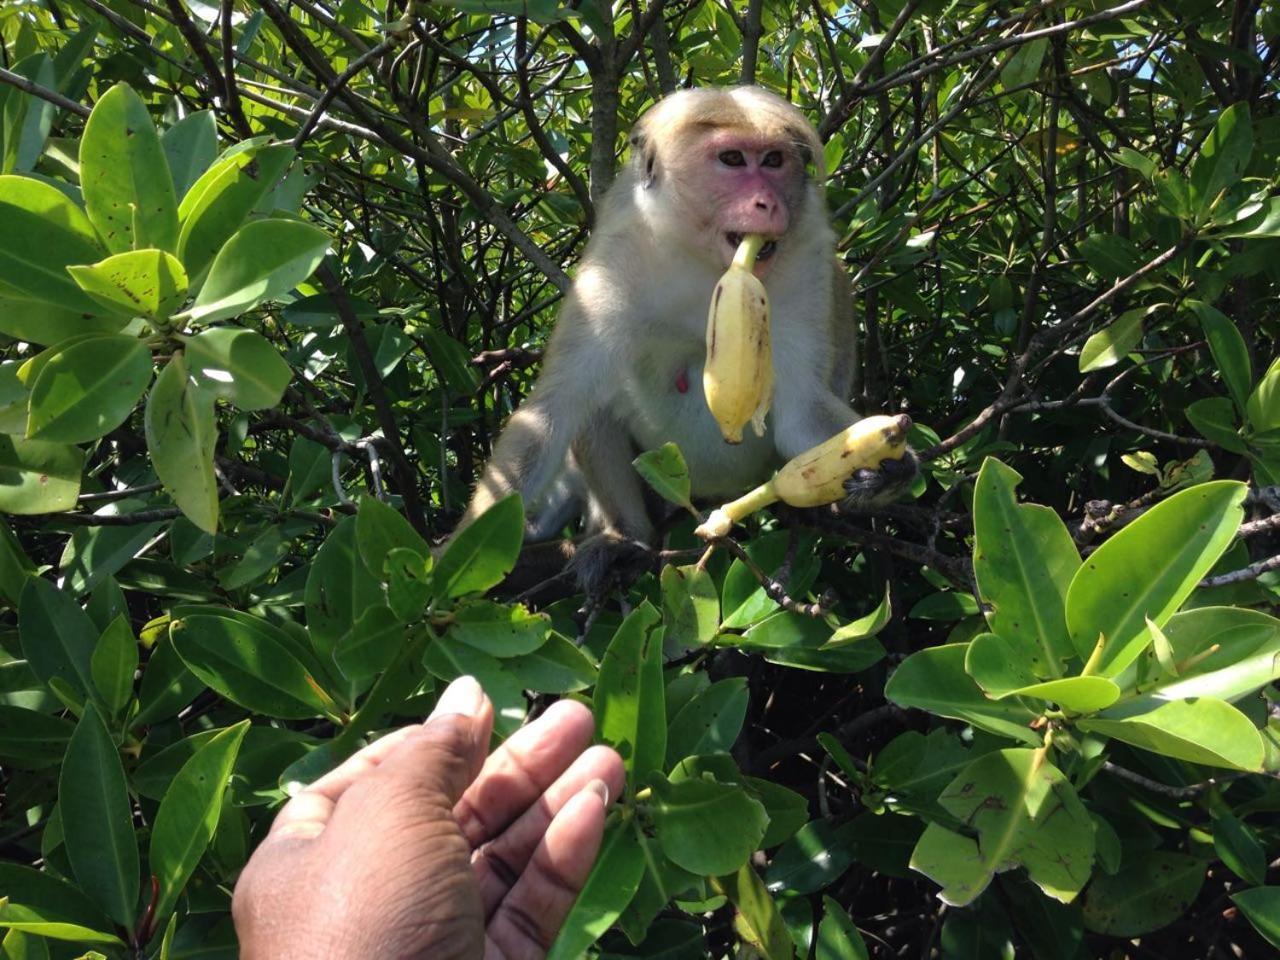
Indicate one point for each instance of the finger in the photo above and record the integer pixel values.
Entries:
(522, 768)
(498, 864)
(527, 921)
(309, 811)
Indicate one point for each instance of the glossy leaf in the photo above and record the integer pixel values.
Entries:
(57, 636)
(1263, 406)
(1261, 906)
(558, 666)
(613, 882)
(88, 389)
(1229, 350)
(500, 630)
(44, 233)
(190, 146)
(1223, 157)
(690, 607)
(263, 260)
(667, 473)
(1216, 420)
(1023, 560)
(1025, 814)
(448, 661)
(708, 723)
(37, 476)
(1112, 344)
(149, 283)
(189, 812)
(1200, 729)
(46, 905)
(115, 658)
(757, 919)
(934, 679)
(381, 529)
(1239, 848)
(30, 740)
(181, 435)
(339, 587)
(706, 827)
(838, 937)
(996, 668)
(97, 819)
(1148, 569)
(1226, 652)
(239, 366)
(1149, 892)
(248, 663)
(629, 697)
(128, 190)
(484, 552)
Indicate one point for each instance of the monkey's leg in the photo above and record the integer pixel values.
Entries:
(619, 530)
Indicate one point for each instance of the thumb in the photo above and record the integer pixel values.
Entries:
(440, 759)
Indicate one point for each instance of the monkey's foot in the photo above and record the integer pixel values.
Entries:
(604, 560)
(868, 490)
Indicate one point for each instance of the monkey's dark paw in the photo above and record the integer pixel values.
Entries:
(604, 560)
(867, 489)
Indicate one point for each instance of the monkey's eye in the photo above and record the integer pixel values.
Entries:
(772, 159)
(732, 158)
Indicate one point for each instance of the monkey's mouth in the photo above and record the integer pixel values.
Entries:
(767, 251)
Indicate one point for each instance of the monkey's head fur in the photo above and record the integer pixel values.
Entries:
(726, 162)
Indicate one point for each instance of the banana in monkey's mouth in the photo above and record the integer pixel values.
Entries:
(770, 247)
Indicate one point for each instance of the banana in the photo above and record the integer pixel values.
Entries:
(737, 377)
(817, 476)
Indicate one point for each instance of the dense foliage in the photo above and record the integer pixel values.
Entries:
(271, 276)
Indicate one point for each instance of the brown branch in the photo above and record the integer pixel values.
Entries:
(1251, 572)
(44, 93)
(774, 590)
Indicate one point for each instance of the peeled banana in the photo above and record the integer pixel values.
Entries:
(737, 377)
(817, 476)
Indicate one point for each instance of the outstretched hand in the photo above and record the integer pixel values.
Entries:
(422, 845)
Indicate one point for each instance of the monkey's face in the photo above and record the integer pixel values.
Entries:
(735, 183)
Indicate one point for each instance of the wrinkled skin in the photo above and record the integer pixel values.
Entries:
(423, 846)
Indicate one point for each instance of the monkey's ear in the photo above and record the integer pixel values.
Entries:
(644, 155)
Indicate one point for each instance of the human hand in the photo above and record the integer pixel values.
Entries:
(419, 846)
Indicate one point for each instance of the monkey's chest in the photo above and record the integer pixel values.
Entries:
(663, 402)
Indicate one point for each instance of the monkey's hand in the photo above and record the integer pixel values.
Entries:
(605, 559)
(868, 490)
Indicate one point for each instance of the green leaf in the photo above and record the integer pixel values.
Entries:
(484, 552)
(25, 119)
(500, 630)
(690, 607)
(88, 389)
(1263, 406)
(216, 205)
(31, 740)
(1215, 419)
(190, 147)
(757, 921)
(611, 885)
(15, 566)
(706, 827)
(1112, 344)
(865, 626)
(57, 636)
(408, 584)
(816, 857)
(1148, 569)
(1111, 256)
(263, 260)
(46, 905)
(1134, 160)
(708, 723)
(558, 666)
(1223, 157)
(1173, 193)
(1148, 892)
(448, 661)
(1229, 350)
(794, 640)
(381, 529)
(838, 937)
(339, 588)
(1023, 65)
(629, 700)
(1000, 671)
(128, 190)
(1225, 652)
(1025, 814)
(666, 472)
(148, 283)
(1261, 906)
(371, 644)
(97, 819)
(248, 662)
(239, 366)
(934, 679)
(189, 813)
(44, 232)
(1023, 560)
(181, 435)
(114, 661)
(38, 477)
(1202, 730)
(1239, 848)
(35, 321)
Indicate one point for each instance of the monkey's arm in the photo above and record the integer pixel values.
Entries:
(576, 379)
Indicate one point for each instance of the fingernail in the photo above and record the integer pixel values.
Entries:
(463, 696)
(599, 788)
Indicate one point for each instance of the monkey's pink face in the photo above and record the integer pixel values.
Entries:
(748, 185)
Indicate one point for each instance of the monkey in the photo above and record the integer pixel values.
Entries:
(622, 371)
